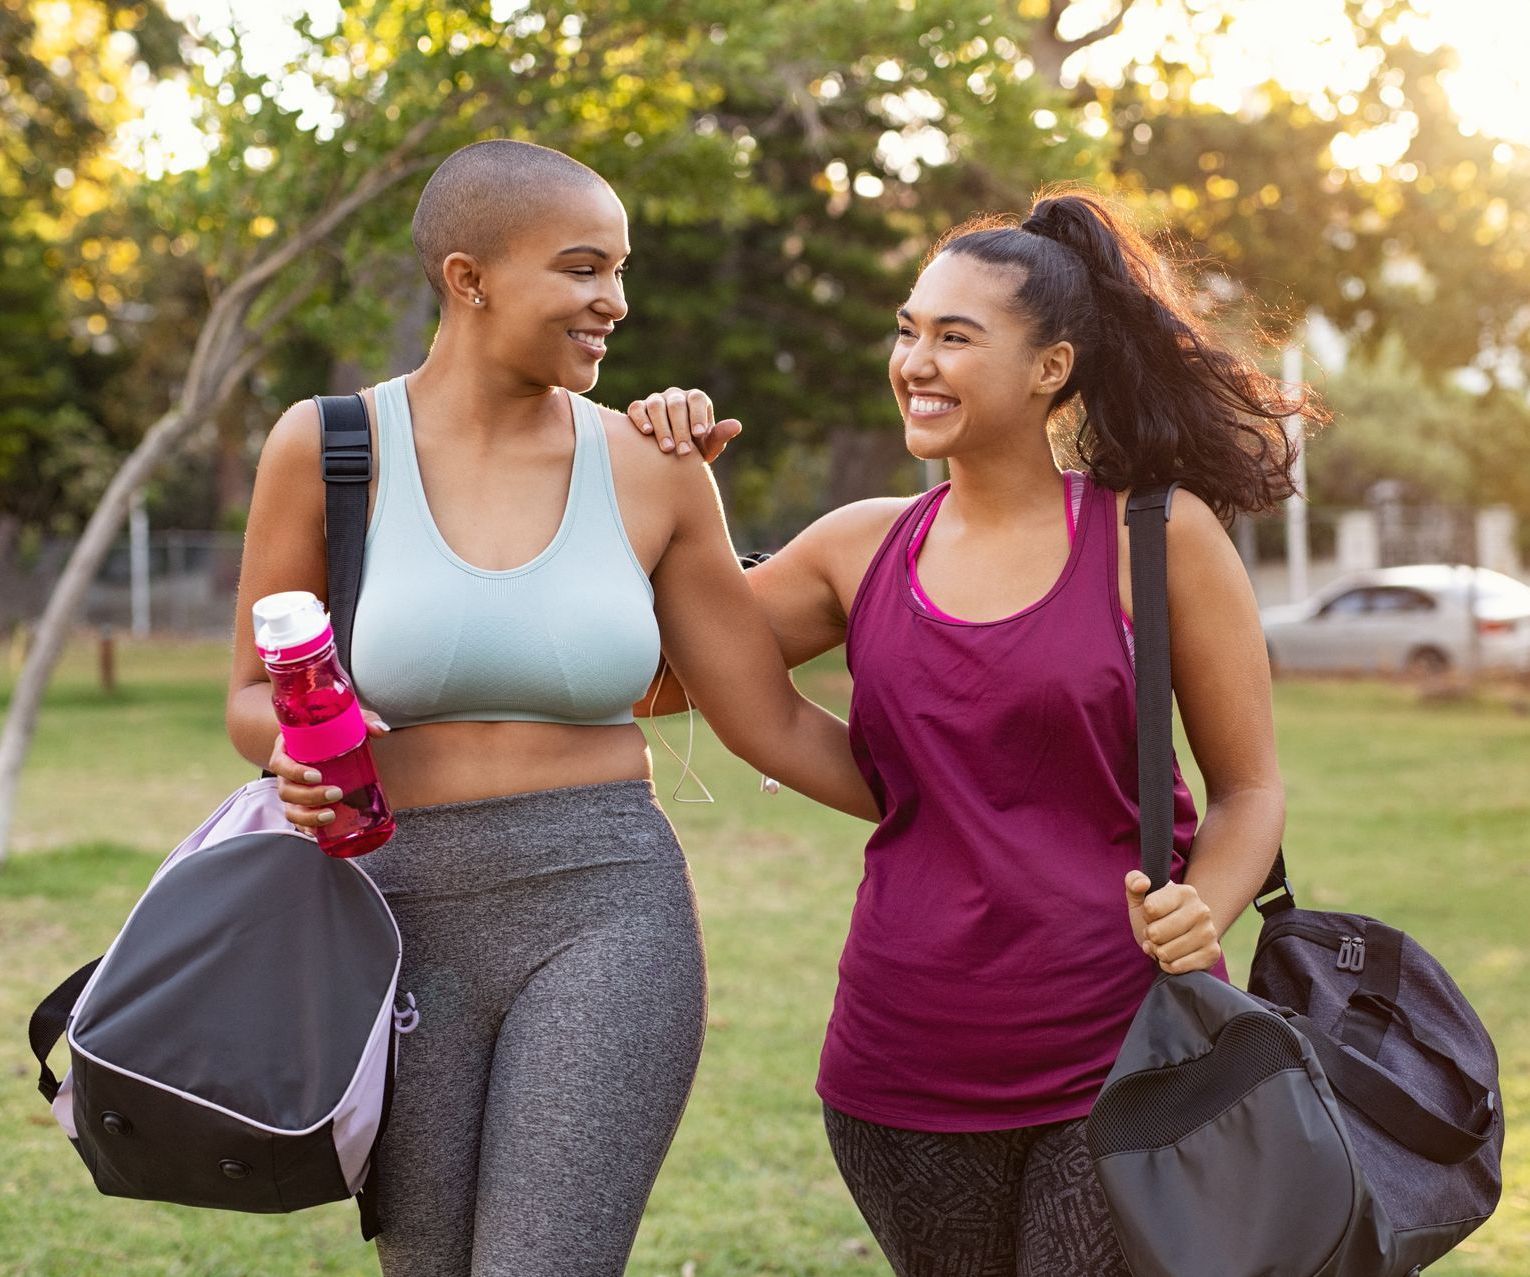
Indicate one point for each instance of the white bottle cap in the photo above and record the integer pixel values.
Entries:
(287, 620)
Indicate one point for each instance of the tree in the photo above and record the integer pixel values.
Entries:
(61, 94)
(397, 85)
(859, 132)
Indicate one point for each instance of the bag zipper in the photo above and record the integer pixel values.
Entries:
(1351, 949)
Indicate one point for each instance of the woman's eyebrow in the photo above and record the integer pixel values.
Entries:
(942, 320)
(586, 248)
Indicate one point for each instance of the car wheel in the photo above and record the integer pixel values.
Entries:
(1426, 662)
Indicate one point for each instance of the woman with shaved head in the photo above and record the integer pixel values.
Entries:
(527, 554)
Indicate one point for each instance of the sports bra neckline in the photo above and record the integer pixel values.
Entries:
(438, 538)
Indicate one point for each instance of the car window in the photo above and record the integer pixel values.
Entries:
(1392, 599)
(1350, 603)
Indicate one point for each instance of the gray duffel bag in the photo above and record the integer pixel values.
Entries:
(235, 1046)
(1341, 1119)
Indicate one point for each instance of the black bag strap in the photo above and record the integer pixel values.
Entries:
(1147, 515)
(347, 469)
(49, 1021)
(1412, 1122)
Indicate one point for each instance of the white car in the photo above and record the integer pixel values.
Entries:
(1411, 620)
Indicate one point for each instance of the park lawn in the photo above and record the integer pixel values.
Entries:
(1416, 813)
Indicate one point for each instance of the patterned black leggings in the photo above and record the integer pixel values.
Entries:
(1023, 1203)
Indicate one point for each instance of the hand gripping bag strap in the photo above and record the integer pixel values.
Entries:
(49, 1021)
(1412, 1122)
(1147, 515)
(347, 468)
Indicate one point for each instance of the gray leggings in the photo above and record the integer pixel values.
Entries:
(551, 942)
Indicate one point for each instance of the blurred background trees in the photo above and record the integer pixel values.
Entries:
(785, 165)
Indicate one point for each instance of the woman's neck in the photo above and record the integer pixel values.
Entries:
(997, 487)
(479, 399)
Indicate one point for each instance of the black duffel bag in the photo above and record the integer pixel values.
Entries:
(1341, 1119)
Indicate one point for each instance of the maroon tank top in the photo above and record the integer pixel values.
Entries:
(990, 972)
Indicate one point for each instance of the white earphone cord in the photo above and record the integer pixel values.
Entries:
(690, 740)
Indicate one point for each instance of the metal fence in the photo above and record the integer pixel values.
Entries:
(185, 582)
(185, 585)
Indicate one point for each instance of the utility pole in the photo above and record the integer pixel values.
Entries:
(1296, 506)
(138, 564)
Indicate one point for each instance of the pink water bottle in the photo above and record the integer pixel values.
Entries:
(321, 719)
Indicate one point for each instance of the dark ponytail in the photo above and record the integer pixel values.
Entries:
(1155, 398)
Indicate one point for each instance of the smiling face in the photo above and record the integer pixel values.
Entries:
(963, 369)
(555, 294)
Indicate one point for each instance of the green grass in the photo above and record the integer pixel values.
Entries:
(1416, 813)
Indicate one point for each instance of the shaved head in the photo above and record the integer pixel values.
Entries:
(484, 194)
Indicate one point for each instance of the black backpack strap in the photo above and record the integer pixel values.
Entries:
(1147, 516)
(347, 469)
(49, 1021)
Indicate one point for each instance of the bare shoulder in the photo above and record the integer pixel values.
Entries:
(1194, 523)
(839, 546)
(1203, 562)
(1193, 527)
(861, 523)
(637, 461)
(294, 440)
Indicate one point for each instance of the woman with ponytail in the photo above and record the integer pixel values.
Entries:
(1003, 935)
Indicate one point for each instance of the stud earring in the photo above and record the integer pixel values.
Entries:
(478, 301)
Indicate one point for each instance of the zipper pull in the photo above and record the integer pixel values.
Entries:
(1352, 955)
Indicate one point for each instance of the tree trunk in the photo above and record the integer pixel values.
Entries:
(225, 352)
(52, 631)
(234, 475)
(1048, 51)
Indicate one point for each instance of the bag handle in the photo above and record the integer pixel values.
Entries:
(1147, 515)
(1412, 1122)
(347, 468)
(49, 1021)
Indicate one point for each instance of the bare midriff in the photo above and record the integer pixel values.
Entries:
(460, 762)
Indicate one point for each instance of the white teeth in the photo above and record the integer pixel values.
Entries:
(595, 341)
(920, 403)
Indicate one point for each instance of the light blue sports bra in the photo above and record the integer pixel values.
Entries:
(569, 637)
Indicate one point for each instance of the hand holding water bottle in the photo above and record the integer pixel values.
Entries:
(326, 774)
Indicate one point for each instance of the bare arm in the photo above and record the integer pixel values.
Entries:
(714, 630)
(1222, 685)
(804, 590)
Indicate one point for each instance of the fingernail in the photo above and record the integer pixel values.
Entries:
(384, 725)
(684, 448)
(333, 794)
(312, 777)
(647, 429)
(667, 445)
(325, 817)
